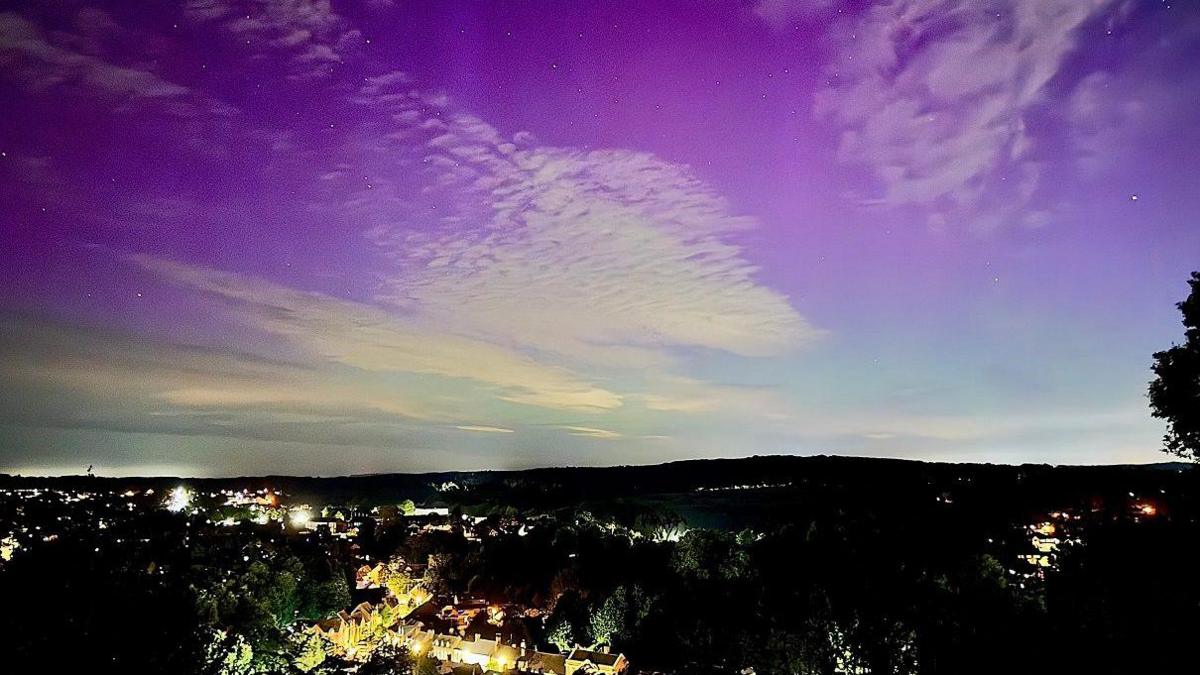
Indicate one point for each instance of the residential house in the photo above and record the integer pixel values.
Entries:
(587, 661)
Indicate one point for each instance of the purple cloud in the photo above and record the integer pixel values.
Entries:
(935, 98)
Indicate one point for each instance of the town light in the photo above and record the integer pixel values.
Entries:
(300, 518)
(179, 499)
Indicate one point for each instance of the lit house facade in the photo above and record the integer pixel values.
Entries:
(356, 633)
(588, 661)
(497, 656)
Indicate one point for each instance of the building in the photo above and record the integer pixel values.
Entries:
(369, 577)
(355, 633)
(542, 662)
(497, 656)
(587, 661)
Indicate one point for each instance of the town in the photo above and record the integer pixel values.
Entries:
(394, 607)
(450, 580)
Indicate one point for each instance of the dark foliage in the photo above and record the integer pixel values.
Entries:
(1175, 391)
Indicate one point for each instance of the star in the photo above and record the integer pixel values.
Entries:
(1133, 198)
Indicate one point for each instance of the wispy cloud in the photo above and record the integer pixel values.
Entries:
(934, 96)
(118, 382)
(484, 429)
(1111, 115)
(592, 432)
(43, 60)
(314, 37)
(779, 13)
(368, 339)
(682, 395)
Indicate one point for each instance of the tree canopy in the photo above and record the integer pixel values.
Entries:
(1175, 391)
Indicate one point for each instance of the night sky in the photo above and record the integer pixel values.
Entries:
(314, 237)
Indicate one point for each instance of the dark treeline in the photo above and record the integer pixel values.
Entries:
(567, 486)
(906, 589)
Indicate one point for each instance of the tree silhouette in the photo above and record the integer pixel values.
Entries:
(1175, 391)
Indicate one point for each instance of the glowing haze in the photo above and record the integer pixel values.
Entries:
(300, 236)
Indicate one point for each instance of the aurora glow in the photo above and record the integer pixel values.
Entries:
(312, 237)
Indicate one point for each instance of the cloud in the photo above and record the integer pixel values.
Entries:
(61, 61)
(96, 65)
(1121, 112)
(369, 339)
(679, 394)
(314, 37)
(962, 429)
(601, 256)
(70, 377)
(935, 96)
(561, 279)
(780, 13)
(591, 432)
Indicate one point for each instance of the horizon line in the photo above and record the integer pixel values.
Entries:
(164, 476)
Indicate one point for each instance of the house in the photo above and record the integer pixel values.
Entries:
(351, 632)
(415, 637)
(366, 625)
(445, 647)
(542, 662)
(505, 657)
(587, 661)
(448, 668)
(369, 577)
(477, 651)
(490, 655)
(355, 633)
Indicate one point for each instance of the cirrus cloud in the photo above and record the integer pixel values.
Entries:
(368, 339)
(935, 97)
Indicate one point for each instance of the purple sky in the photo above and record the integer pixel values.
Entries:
(342, 237)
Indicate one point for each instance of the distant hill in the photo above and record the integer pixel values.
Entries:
(707, 488)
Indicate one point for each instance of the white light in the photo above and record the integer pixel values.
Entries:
(300, 518)
(179, 499)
